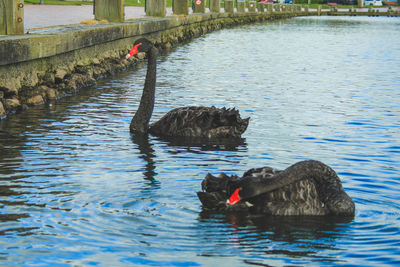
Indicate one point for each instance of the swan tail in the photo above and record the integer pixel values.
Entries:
(229, 123)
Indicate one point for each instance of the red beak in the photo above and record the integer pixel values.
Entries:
(235, 198)
(133, 51)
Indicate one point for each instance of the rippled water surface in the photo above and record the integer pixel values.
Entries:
(77, 189)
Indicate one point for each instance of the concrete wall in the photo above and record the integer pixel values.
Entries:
(47, 64)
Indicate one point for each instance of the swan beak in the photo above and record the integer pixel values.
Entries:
(133, 51)
(235, 198)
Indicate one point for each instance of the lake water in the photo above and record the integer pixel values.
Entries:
(77, 189)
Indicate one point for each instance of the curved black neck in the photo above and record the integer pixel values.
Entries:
(140, 120)
(321, 173)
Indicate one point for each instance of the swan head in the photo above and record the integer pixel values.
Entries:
(140, 45)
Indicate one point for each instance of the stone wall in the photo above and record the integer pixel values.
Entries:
(47, 64)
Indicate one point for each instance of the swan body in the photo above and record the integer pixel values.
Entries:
(305, 188)
(203, 122)
(208, 122)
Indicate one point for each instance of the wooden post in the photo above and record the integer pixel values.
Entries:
(306, 9)
(252, 6)
(215, 6)
(199, 6)
(229, 6)
(270, 8)
(240, 5)
(389, 11)
(180, 7)
(360, 3)
(110, 10)
(319, 10)
(283, 8)
(260, 7)
(155, 8)
(11, 17)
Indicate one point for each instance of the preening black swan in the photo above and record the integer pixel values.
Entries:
(305, 188)
(206, 122)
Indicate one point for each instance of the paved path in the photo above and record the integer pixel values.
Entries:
(39, 16)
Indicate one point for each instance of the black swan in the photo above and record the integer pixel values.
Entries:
(305, 188)
(204, 122)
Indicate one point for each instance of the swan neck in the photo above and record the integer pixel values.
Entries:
(140, 120)
(321, 173)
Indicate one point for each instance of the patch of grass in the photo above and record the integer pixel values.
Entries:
(55, 2)
(324, 6)
(141, 3)
(78, 3)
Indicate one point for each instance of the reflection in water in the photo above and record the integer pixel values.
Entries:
(182, 145)
(10, 190)
(204, 144)
(298, 236)
(147, 153)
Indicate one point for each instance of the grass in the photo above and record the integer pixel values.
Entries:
(55, 2)
(324, 6)
(60, 2)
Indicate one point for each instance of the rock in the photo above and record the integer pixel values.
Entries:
(35, 100)
(2, 111)
(78, 80)
(72, 85)
(141, 55)
(115, 54)
(31, 79)
(12, 103)
(50, 93)
(70, 66)
(122, 53)
(10, 86)
(83, 62)
(49, 78)
(98, 71)
(167, 45)
(96, 61)
(124, 62)
(60, 74)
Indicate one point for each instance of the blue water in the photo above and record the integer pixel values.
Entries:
(77, 189)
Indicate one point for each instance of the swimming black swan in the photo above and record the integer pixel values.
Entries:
(305, 188)
(206, 122)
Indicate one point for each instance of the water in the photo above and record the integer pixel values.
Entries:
(77, 189)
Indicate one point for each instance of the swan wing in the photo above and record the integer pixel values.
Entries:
(210, 122)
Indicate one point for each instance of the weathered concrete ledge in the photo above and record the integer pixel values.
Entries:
(49, 63)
